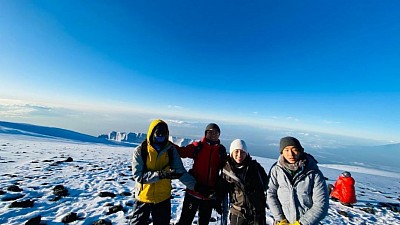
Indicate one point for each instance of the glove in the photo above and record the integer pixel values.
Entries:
(296, 223)
(283, 222)
(169, 174)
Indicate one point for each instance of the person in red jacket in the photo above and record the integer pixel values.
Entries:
(209, 156)
(344, 190)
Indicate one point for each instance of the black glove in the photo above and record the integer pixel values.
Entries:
(169, 174)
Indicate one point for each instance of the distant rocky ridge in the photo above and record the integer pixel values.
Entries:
(132, 137)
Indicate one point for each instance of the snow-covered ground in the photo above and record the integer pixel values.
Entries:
(38, 164)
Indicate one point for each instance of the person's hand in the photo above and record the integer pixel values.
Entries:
(283, 222)
(169, 174)
(296, 223)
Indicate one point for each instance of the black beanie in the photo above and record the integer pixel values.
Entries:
(213, 126)
(290, 141)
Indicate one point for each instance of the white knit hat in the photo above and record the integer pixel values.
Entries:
(238, 144)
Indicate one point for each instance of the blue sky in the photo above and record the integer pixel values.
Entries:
(306, 66)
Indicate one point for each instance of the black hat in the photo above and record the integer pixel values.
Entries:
(290, 141)
(213, 126)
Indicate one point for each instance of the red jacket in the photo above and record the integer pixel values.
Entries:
(207, 162)
(344, 190)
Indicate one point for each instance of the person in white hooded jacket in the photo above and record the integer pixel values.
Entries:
(297, 193)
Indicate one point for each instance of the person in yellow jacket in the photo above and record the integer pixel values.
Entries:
(155, 162)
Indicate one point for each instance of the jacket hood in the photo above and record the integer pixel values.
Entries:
(150, 132)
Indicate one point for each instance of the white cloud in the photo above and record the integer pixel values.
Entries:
(176, 107)
(331, 122)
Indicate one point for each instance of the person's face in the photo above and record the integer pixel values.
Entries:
(291, 154)
(239, 155)
(160, 131)
(212, 135)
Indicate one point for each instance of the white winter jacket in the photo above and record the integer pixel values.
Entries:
(303, 197)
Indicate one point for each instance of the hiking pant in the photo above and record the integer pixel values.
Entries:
(160, 213)
(236, 219)
(190, 206)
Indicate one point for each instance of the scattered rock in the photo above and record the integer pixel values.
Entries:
(115, 209)
(343, 213)
(14, 188)
(126, 193)
(102, 222)
(69, 159)
(107, 194)
(368, 210)
(71, 217)
(22, 204)
(34, 221)
(60, 190)
(48, 160)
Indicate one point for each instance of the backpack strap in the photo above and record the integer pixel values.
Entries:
(198, 145)
(143, 153)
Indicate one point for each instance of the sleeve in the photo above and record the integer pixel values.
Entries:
(176, 164)
(272, 196)
(186, 151)
(320, 200)
(139, 173)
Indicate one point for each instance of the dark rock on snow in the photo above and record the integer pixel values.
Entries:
(60, 190)
(107, 194)
(71, 217)
(14, 188)
(102, 222)
(34, 221)
(115, 209)
(22, 204)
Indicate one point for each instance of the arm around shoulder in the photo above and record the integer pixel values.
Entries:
(177, 165)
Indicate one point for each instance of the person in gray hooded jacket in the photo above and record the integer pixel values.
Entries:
(297, 193)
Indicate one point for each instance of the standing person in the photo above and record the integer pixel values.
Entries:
(246, 183)
(208, 156)
(297, 192)
(155, 162)
(344, 189)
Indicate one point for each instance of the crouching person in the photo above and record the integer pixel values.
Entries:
(155, 162)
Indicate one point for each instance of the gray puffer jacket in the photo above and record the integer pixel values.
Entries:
(302, 197)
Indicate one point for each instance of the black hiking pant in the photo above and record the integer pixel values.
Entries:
(160, 213)
(190, 206)
(258, 219)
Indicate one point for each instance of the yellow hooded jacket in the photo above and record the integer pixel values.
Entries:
(149, 188)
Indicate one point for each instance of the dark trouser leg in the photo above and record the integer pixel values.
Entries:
(260, 219)
(205, 210)
(141, 213)
(237, 220)
(161, 213)
(189, 209)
